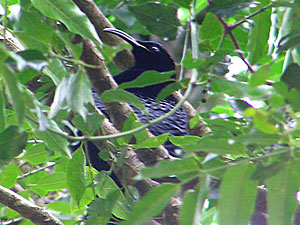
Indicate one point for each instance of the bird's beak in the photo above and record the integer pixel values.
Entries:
(126, 37)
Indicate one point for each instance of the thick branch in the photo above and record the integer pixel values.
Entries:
(124, 59)
(27, 209)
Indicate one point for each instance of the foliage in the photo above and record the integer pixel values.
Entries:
(252, 114)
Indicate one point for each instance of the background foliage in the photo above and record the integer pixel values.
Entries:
(252, 113)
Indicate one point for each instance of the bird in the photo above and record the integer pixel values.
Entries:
(148, 55)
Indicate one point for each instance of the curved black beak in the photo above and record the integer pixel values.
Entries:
(126, 37)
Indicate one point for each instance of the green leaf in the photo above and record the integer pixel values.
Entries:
(2, 110)
(238, 89)
(212, 144)
(91, 125)
(36, 154)
(214, 35)
(167, 91)
(80, 93)
(55, 142)
(74, 49)
(104, 187)
(260, 76)
(191, 209)
(37, 34)
(291, 40)
(12, 143)
(119, 95)
(8, 176)
(53, 182)
(56, 71)
(169, 168)
(148, 78)
(153, 142)
(102, 208)
(237, 196)
(152, 203)
(183, 3)
(68, 13)
(259, 35)
(159, 19)
(15, 92)
(291, 76)
(261, 120)
(267, 170)
(282, 189)
(227, 8)
(76, 176)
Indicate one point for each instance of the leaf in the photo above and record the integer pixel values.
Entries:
(260, 76)
(9, 174)
(56, 71)
(53, 182)
(148, 78)
(119, 95)
(91, 125)
(169, 168)
(103, 207)
(76, 176)
(291, 76)
(55, 142)
(152, 204)
(68, 13)
(212, 144)
(291, 40)
(36, 33)
(214, 35)
(227, 8)
(168, 90)
(12, 143)
(153, 142)
(2, 110)
(15, 92)
(80, 93)
(36, 154)
(282, 189)
(237, 195)
(191, 209)
(159, 19)
(261, 120)
(104, 187)
(259, 35)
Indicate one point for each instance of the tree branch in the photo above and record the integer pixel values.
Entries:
(27, 209)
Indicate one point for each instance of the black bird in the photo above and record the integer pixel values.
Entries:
(149, 55)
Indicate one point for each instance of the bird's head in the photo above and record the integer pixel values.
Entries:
(148, 55)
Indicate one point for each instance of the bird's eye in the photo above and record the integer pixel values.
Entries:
(155, 49)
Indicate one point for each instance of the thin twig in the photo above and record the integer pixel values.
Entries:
(49, 165)
(78, 62)
(228, 30)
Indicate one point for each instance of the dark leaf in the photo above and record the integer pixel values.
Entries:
(12, 143)
(227, 8)
(159, 19)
